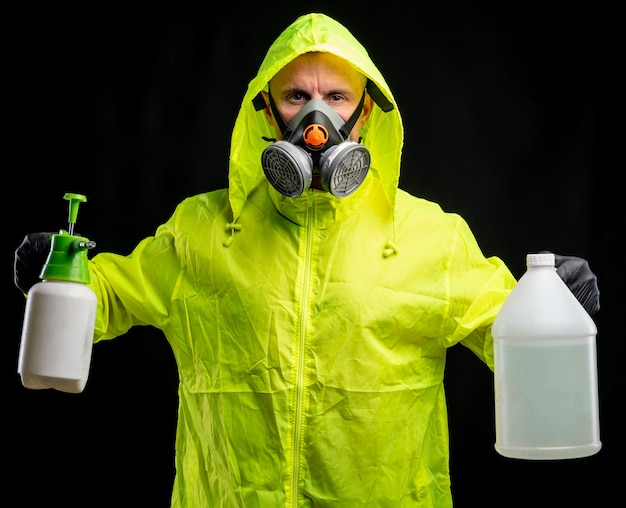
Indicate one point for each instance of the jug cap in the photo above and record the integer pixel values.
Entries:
(542, 259)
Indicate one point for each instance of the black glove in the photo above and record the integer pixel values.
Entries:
(30, 257)
(581, 281)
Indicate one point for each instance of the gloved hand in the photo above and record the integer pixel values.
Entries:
(581, 281)
(30, 257)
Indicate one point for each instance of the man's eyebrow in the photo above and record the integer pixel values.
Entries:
(341, 91)
(293, 90)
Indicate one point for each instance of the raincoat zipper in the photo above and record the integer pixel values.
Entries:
(300, 377)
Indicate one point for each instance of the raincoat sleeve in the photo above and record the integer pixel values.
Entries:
(136, 289)
(478, 287)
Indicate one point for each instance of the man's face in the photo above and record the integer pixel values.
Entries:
(318, 76)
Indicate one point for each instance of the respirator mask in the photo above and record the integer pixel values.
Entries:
(316, 142)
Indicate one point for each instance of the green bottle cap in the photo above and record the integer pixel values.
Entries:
(67, 260)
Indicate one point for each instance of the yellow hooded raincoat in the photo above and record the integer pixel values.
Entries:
(310, 333)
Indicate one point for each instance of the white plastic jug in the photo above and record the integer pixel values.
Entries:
(545, 368)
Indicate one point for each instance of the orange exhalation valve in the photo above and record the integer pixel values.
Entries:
(315, 136)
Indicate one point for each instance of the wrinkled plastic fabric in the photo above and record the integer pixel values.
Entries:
(310, 333)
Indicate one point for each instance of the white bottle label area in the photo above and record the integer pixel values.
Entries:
(57, 336)
(546, 397)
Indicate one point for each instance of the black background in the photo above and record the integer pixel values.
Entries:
(510, 120)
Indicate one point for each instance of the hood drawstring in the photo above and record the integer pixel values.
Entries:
(390, 249)
(232, 227)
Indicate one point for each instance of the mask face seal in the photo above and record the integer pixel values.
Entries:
(316, 143)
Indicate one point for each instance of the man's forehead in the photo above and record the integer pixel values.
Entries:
(311, 67)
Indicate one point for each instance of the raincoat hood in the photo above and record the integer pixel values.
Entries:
(382, 135)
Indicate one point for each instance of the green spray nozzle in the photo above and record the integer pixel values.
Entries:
(67, 259)
(75, 200)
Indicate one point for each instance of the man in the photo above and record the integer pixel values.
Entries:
(310, 305)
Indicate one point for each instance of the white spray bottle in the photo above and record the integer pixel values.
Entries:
(57, 334)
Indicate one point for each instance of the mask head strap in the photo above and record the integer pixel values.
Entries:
(277, 115)
(379, 98)
(347, 127)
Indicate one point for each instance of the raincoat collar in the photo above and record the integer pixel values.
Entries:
(383, 134)
(327, 209)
